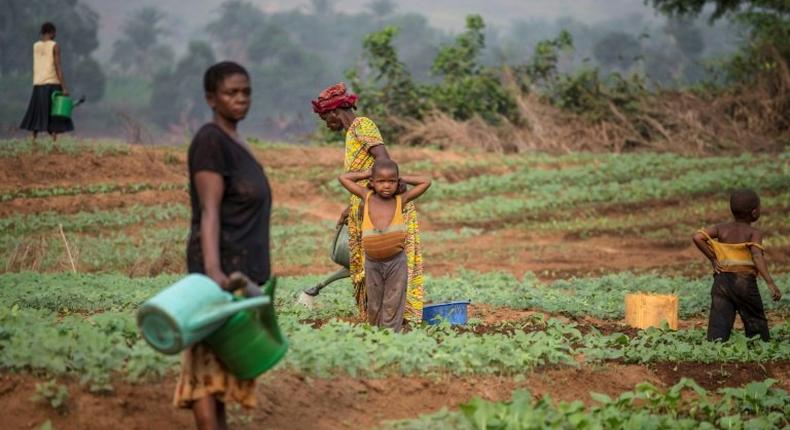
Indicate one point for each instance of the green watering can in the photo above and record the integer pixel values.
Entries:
(188, 311)
(250, 342)
(62, 105)
(340, 255)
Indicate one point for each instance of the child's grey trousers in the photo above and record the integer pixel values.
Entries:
(385, 282)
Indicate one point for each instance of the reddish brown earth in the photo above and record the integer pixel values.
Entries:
(712, 376)
(48, 170)
(553, 256)
(291, 401)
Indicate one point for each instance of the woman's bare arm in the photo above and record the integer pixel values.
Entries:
(59, 69)
(379, 152)
(210, 186)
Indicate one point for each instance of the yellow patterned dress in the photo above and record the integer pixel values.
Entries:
(361, 136)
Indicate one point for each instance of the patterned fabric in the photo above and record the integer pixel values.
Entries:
(334, 97)
(203, 375)
(362, 135)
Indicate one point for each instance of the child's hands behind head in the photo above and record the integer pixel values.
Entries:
(401, 187)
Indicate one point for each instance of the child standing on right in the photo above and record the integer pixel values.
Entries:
(384, 237)
(735, 251)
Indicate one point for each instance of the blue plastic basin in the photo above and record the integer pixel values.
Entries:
(453, 312)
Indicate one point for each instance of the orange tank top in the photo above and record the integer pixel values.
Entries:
(381, 244)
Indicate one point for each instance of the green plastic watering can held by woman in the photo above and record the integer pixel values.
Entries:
(187, 312)
(250, 342)
(62, 105)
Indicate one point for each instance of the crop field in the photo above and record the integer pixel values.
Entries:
(544, 246)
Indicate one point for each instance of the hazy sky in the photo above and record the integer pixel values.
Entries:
(446, 14)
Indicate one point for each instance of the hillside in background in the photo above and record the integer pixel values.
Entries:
(140, 65)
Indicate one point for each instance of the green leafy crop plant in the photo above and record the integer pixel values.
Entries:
(110, 250)
(65, 145)
(600, 297)
(671, 223)
(537, 199)
(685, 405)
(83, 325)
(95, 221)
(620, 168)
(102, 188)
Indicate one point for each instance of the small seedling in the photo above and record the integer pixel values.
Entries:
(57, 395)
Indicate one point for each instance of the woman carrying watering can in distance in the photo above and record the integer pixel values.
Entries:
(364, 145)
(47, 78)
(231, 204)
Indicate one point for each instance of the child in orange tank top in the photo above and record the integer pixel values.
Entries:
(383, 237)
(735, 251)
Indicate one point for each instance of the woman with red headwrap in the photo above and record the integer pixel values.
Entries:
(364, 145)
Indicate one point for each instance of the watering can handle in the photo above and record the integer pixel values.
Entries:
(55, 94)
(226, 310)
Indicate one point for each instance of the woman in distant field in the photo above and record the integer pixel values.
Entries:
(47, 78)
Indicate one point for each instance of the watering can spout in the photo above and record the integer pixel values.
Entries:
(226, 310)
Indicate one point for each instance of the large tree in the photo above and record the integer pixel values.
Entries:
(768, 21)
(617, 49)
(177, 95)
(231, 30)
(140, 50)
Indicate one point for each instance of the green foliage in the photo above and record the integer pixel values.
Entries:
(585, 93)
(604, 180)
(236, 21)
(84, 325)
(77, 37)
(768, 43)
(467, 88)
(659, 345)
(53, 393)
(391, 92)
(685, 405)
(140, 51)
(64, 145)
(600, 297)
(94, 221)
(177, 95)
(542, 68)
(618, 49)
(47, 425)
(87, 189)
(461, 58)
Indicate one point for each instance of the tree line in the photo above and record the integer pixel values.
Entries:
(385, 53)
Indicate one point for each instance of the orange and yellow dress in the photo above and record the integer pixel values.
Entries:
(362, 135)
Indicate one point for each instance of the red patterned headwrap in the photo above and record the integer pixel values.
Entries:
(334, 97)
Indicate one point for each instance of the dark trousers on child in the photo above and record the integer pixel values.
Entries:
(385, 282)
(733, 293)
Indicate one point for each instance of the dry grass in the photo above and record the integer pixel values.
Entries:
(753, 117)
